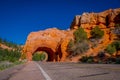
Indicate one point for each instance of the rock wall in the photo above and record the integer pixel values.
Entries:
(105, 20)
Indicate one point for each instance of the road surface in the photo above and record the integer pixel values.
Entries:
(61, 71)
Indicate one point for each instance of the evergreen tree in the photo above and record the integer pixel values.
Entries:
(97, 33)
(79, 44)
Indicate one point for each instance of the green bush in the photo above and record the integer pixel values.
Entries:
(39, 56)
(111, 49)
(80, 35)
(86, 59)
(79, 44)
(9, 55)
(97, 33)
(116, 44)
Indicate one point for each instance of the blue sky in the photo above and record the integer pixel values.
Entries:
(20, 17)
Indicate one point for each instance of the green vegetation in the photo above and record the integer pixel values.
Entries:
(80, 35)
(113, 47)
(78, 48)
(79, 44)
(97, 33)
(39, 56)
(9, 55)
(116, 44)
(9, 58)
(87, 59)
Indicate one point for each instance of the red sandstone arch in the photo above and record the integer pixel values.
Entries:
(52, 41)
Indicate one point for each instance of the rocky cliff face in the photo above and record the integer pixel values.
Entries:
(54, 41)
(105, 19)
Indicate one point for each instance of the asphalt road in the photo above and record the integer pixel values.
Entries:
(61, 71)
(76, 71)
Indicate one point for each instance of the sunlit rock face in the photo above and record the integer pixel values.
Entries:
(106, 21)
(53, 41)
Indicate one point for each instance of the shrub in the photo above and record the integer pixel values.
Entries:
(79, 44)
(116, 44)
(90, 59)
(9, 55)
(97, 33)
(80, 35)
(111, 49)
(86, 59)
(78, 48)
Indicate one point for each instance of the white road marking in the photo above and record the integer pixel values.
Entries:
(43, 72)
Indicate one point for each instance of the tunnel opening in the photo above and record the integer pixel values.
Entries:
(40, 56)
(48, 53)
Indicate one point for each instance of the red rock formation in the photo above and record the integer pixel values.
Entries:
(52, 41)
(105, 20)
